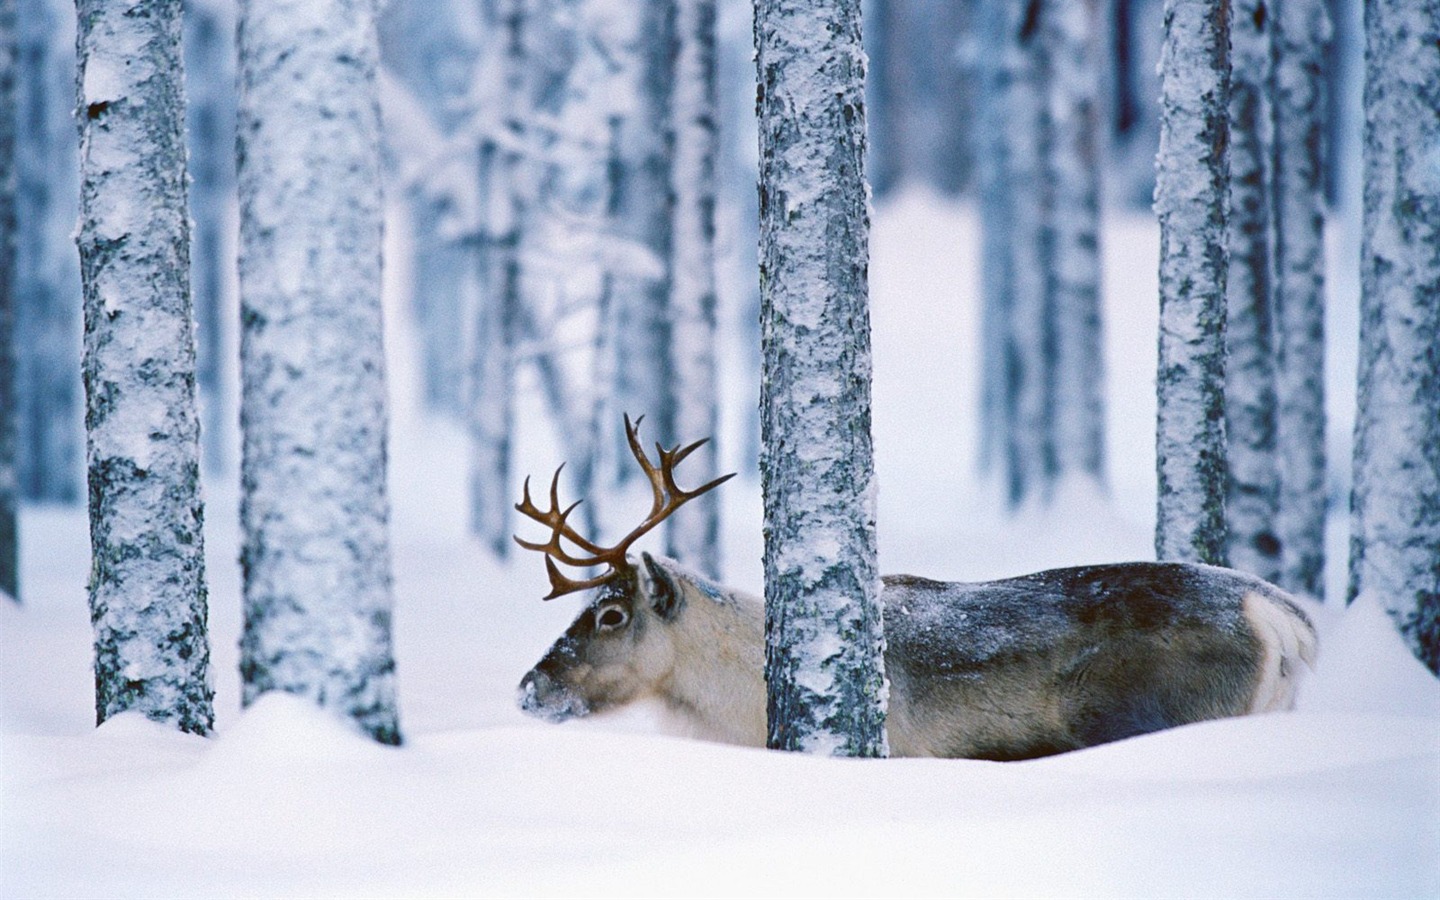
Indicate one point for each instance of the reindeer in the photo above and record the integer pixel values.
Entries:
(1005, 670)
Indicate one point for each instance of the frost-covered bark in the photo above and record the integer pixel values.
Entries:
(316, 556)
(644, 384)
(1020, 167)
(1190, 201)
(1070, 40)
(694, 536)
(1395, 508)
(210, 90)
(1029, 333)
(1300, 33)
(9, 480)
(824, 638)
(1253, 481)
(147, 575)
(47, 274)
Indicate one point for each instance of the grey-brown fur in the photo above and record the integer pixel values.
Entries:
(1009, 669)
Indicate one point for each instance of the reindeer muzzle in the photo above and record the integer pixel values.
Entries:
(545, 698)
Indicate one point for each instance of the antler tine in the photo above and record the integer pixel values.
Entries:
(556, 520)
(657, 484)
(672, 458)
(668, 497)
(677, 456)
(561, 585)
(553, 547)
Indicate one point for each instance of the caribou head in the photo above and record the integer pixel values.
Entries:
(623, 645)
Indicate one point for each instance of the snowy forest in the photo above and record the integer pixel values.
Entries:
(1036, 404)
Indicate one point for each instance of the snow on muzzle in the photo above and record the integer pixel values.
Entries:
(545, 698)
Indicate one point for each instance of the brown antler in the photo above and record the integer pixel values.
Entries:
(668, 498)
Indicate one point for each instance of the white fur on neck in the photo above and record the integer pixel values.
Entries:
(718, 693)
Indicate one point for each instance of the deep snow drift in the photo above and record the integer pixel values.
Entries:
(1341, 798)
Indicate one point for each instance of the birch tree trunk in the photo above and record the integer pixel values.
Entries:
(993, 180)
(1300, 32)
(644, 201)
(1017, 171)
(1191, 189)
(1252, 491)
(1030, 330)
(210, 84)
(1395, 507)
(951, 167)
(694, 536)
(147, 576)
(9, 476)
(47, 277)
(490, 380)
(824, 661)
(1070, 41)
(316, 556)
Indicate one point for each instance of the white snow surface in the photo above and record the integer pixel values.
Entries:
(1339, 798)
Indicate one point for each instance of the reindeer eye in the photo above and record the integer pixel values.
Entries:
(611, 617)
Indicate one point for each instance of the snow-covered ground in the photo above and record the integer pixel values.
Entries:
(1341, 798)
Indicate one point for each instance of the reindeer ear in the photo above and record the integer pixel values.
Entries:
(665, 594)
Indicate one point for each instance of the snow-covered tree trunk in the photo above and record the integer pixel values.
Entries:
(1070, 40)
(1191, 202)
(1395, 508)
(210, 89)
(9, 476)
(644, 381)
(490, 381)
(1030, 331)
(316, 557)
(1253, 479)
(824, 661)
(992, 167)
(1300, 33)
(147, 574)
(47, 275)
(1016, 170)
(694, 536)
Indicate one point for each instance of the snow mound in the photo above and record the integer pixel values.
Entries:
(1365, 666)
(281, 728)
